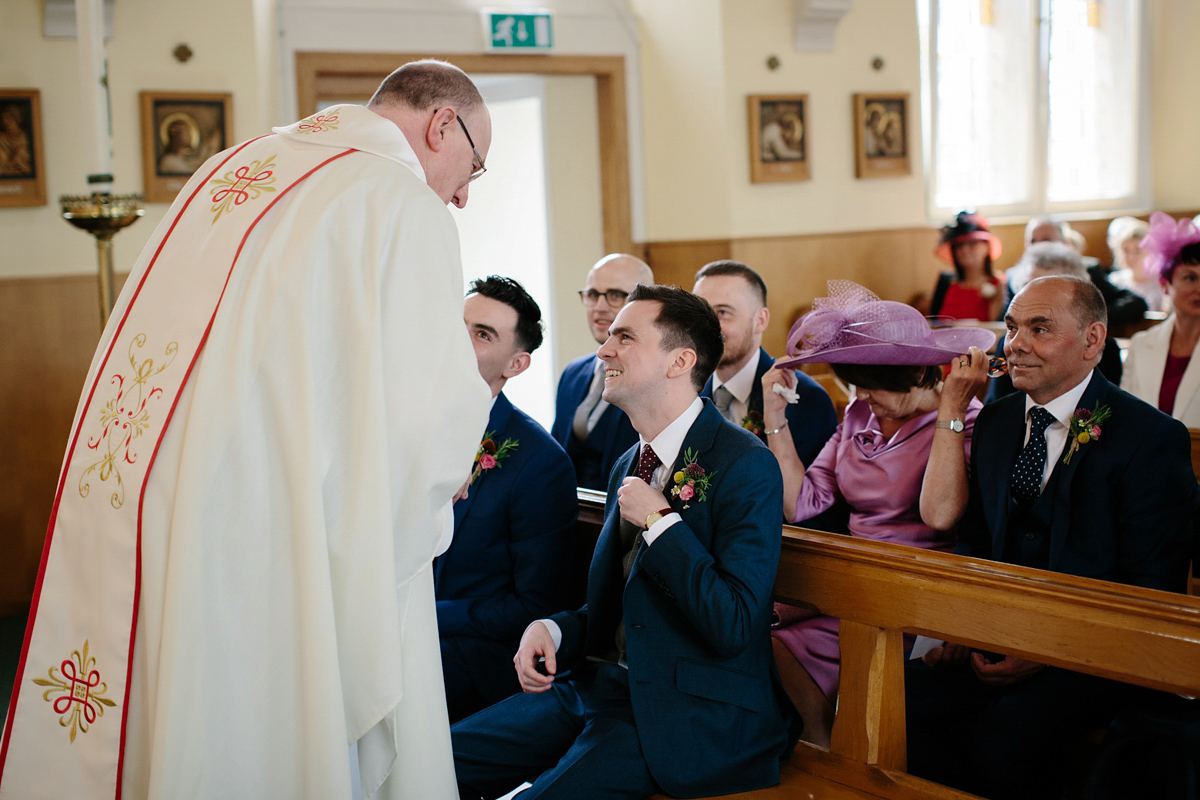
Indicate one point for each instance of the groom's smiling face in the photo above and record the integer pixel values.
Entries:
(635, 363)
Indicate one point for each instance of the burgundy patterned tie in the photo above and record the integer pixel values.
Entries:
(647, 463)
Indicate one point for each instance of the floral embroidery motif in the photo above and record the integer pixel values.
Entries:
(81, 701)
(124, 418)
(753, 422)
(318, 123)
(489, 456)
(691, 482)
(1084, 426)
(246, 182)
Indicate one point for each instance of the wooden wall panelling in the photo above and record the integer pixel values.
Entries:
(49, 327)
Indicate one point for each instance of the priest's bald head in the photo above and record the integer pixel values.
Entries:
(444, 119)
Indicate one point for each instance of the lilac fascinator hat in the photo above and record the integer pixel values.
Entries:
(853, 326)
(1164, 241)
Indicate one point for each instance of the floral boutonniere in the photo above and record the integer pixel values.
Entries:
(753, 422)
(489, 456)
(691, 482)
(1085, 426)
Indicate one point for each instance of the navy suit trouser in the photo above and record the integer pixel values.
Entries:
(576, 739)
(1006, 742)
(477, 672)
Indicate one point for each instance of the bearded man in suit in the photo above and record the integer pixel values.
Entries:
(664, 681)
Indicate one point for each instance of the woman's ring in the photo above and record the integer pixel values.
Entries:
(962, 362)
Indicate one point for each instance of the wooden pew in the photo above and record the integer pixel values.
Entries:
(881, 591)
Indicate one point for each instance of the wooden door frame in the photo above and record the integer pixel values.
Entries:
(354, 76)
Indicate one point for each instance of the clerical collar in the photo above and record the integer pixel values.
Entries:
(741, 384)
(668, 442)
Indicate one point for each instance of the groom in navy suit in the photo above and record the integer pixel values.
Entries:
(664, 681)
(508, 563)
(1116, 504)
(594, 432)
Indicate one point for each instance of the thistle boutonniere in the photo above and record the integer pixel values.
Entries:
(753, 421)
(489, 455)
(1084, 426)
(691, 482)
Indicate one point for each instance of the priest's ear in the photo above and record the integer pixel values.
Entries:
(517, 364)
(438, 127)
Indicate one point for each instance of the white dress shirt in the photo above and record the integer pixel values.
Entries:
(1061, 408)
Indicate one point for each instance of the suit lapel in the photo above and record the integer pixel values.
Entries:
(699, 440)
(498, 426)
(765, 362)
(1096, 392)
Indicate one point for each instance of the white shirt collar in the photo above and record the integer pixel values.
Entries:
(1063, 406)
(666, 445)
(741, 384)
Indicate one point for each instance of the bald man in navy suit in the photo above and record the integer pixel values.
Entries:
(594, 432)
(1117, 505)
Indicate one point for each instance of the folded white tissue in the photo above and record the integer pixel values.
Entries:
(786, 393)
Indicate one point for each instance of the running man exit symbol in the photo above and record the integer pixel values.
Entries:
(506, 31)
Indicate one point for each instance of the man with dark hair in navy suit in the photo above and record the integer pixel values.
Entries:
(664, 681)
(1068, 474)
(739, 296)
(508, 562)
(594, 432)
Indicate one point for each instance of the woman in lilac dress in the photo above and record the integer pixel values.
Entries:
(876, 460)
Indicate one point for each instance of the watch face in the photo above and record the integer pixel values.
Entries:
(956, 425)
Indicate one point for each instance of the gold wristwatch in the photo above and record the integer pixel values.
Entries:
(655, 516)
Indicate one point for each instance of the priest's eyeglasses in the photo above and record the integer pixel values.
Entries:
(481, 168)
(615, 297)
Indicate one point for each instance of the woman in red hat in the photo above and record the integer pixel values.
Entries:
(972, 292)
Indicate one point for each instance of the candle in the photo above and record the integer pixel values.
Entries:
(89, 19)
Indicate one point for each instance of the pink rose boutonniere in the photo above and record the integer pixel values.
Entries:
(1085, 426)
(691, 482)
(489, 455)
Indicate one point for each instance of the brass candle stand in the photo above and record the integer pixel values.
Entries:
(102, 215)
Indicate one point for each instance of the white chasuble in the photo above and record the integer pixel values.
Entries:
(237, 584)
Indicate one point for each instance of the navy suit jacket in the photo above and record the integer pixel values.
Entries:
(613, 435)
(1124, 506)
(513, 538)
(710, 712)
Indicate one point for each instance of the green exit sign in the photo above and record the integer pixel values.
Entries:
(524, 31)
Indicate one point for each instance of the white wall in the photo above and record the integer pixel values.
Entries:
(223, 36)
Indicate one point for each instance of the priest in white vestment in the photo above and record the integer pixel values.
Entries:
(237, 585)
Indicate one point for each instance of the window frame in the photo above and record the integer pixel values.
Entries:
(1138, 202)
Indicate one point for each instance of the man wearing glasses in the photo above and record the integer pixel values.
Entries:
(251, 587)
(593, 432)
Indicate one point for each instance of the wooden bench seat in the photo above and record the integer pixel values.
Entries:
(882, 591)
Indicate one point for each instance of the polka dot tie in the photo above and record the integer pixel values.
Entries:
(1026, 482)
(648, 462)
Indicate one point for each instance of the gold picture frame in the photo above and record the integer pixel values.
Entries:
(881, 122)
(779, 141)
(180, 130)
(22, 157)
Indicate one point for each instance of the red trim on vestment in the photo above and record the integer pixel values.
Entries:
(137, 580)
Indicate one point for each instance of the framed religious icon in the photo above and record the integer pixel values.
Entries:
(881, 135)
(778, 137)
(180, 130)
(22, 159)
